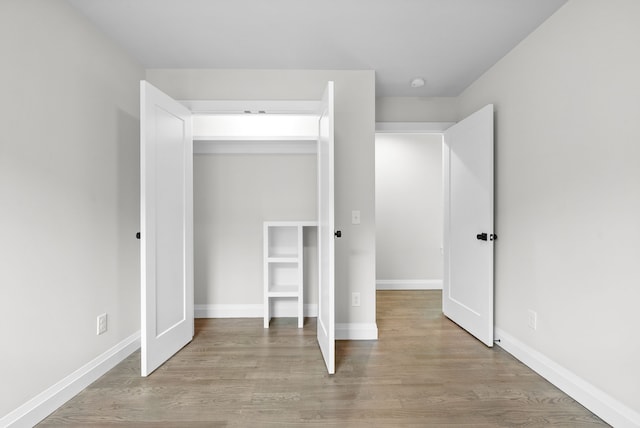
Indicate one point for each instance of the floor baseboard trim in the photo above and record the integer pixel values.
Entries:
(280, 309)
(45, 403)
(602, 404)
(357, 331)
(409, 284)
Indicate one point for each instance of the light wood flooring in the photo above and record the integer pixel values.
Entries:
(423, 371)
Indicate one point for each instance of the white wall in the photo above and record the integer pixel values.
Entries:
(233, 195)
(567, 105)
(354, 154)
(69, 195)
(409, 207)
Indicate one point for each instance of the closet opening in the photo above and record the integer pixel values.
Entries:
(234, 197)
(252, 167)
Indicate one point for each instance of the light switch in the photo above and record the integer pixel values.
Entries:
(355, 217)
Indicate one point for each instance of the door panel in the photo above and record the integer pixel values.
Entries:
(468, 259)
(326, 230)
(166, 227)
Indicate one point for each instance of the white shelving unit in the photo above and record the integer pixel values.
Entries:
(284, 264)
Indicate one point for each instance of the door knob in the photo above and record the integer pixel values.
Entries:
(138, 235)
(338, 234)
(483, 237)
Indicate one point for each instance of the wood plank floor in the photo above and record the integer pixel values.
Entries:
(423, 371)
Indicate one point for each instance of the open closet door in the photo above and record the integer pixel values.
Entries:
(467, 297)
(326, 231)
(166, 193)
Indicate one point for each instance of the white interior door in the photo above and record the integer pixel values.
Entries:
(166, 226)
(326, 230)
(468, 224)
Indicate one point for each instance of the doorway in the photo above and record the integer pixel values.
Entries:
(409, 211)
(467, 232)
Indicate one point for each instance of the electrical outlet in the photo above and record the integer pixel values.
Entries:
(532, 319)
(102, 323)
(355, 299)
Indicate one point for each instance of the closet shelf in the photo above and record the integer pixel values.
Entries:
(302, 138)
(254, 145)
(282, 259)
(284, 291)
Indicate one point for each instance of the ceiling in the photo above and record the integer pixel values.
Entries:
(448, 43)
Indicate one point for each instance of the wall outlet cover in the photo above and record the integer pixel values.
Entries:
(532, 319)
(355, 299)
(102, 324)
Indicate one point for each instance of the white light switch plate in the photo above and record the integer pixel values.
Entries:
(355, 217)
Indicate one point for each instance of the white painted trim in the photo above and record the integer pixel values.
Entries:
(412, 127)
(283, 308)
(239, 107)
(409, 284)
(250, 145)
(293, 223)
(602, 404)
(357, 331)
(45, 403)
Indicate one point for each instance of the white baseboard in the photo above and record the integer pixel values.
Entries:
(357, 331)
(45, 403)
(602, 404)
(281, 308)
(228, 311)
(409, 284)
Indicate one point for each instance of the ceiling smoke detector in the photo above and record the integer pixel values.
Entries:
(418, 82)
